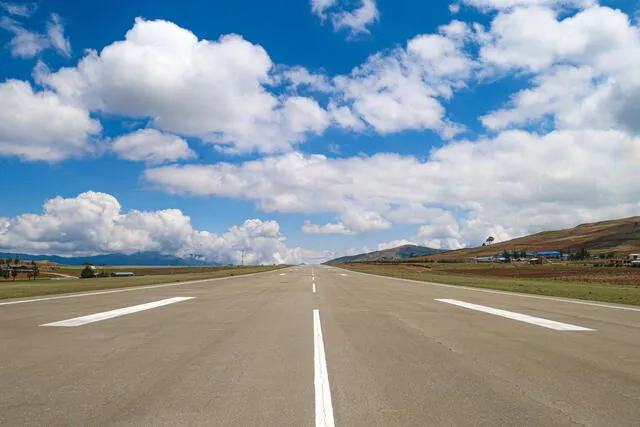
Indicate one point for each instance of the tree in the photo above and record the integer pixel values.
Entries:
(490, 240)
(35, 270)
(506, 255)
(14, 273)
(87, 273)
(582, 254)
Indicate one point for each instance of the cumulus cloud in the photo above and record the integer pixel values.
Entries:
(40, 126)
(498, 185)
(214, 90)
(353, 221)
(329, 228)
(151, 146)
(355, 20)
(584, 68)
(401, 89)
(94, 223)
(28, 44)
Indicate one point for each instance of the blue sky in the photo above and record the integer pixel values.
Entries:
(331, 126)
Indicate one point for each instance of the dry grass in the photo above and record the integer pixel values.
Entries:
(21, 289)
(592, 284)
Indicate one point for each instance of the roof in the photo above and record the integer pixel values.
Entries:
(548, 253)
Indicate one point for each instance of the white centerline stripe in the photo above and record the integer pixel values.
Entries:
(314, 287)
(79, 321)
(342, 274)
(551, 324)
(324, 408)
(283, 274)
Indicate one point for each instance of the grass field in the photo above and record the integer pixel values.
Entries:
(29, 288)
(586, 283)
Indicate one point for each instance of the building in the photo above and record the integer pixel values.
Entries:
(484, 259)
(7, 270)
(122, 274)
(633, 257)
(535, 261)
(549, 254)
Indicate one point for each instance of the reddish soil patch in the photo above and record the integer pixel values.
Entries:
(620, 276)
(407, 268)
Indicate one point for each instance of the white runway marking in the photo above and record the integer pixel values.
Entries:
(513, 294)
(314, 287)
(342, 274)
(550, 324)
(283, 274)
(324, 408)
(79, 321)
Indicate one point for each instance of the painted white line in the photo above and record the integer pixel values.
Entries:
(283, 274)
(342, 274)
(131, 289)
(79, 321)
(513, 294)
(324, 408)
(314, 287)
(545, 323)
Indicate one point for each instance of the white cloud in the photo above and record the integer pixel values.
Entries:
(319, 7)
(352, 221)
(22, 10)
(355, 20)
(454, 8)
(95, 223)
(24, 43)
(594, 52)
(213, 90)
(513, 184)
(394, 244)
(55, 31)
(535, 38)
(401, 89)
(510, 4)
(40, 126)
(329, 228)
(28, 44)
(151, 146)
(301, 77)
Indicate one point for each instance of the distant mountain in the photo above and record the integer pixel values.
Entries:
(117, 259)
(401, 252)
(621, 236)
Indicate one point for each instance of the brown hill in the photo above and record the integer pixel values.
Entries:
(621, 236)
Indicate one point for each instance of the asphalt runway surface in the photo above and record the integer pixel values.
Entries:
(317, 346)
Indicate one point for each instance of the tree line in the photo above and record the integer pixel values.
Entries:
(13, 272)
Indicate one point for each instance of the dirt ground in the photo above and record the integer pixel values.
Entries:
(618, 276)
